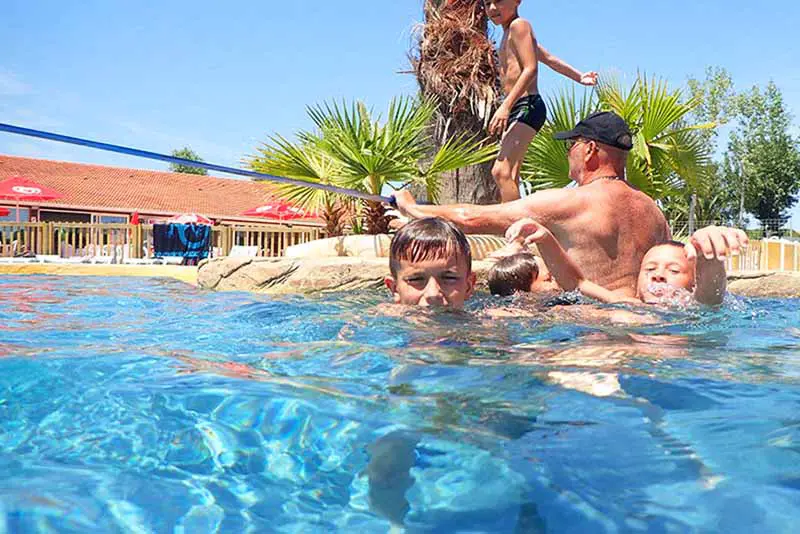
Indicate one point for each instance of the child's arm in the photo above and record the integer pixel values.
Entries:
(708, 248)
(568, 275)
(562, 67)
(523, 44)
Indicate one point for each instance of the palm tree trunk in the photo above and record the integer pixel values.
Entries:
(456, 66)
(375, 216)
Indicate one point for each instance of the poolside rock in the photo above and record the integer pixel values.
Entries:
(774, 284)
(298, 275)
(291, 275)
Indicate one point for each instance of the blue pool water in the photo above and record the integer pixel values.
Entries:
(143, 405)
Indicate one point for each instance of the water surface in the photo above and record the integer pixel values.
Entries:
(144, 405)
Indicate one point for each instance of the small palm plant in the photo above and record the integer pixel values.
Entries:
(351, 149)
(304, 161)
(668, 155)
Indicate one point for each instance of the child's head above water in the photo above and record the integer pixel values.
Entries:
(431, 265)
(522, 272)
(512, 274)
(665, 264)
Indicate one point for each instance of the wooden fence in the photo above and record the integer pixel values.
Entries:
(136, 241)
(768, 255)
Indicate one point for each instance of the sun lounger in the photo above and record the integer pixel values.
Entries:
(18, 260)
(241, 251)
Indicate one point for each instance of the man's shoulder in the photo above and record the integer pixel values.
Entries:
(558, 204)
(552, 194)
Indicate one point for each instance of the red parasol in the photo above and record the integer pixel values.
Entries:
(135, 218)
(21, 189)
(280, 211)
(190, 218)
(4, 212)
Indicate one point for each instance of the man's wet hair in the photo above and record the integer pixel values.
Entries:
(513, 273)
(428, 239)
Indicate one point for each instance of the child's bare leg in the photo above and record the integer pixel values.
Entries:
(509, 161)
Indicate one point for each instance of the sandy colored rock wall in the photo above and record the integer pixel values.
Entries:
(299, 275)
(308, 275)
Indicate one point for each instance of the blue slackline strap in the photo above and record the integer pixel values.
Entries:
(10, 128)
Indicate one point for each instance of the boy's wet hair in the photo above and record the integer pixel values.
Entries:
(513, 273)
(428, 239)
(671, 243)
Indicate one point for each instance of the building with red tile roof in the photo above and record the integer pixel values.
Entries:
(99, 193)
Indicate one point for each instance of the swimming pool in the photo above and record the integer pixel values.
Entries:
(144, 405)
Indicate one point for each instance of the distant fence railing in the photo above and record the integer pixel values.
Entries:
(122, 241)
(756, 230)
(774, 245)
(767, 255)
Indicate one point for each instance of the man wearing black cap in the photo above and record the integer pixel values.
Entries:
(605, 225)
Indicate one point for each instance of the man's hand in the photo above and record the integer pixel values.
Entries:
(716, 242)
(589, 78)
(527, 231)
(499, 122)
(404, 200)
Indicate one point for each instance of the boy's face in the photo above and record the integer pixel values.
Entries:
(501, 12)
(544, 282)
(664, 264)
(444, 282)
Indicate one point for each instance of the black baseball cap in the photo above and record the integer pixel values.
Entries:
(604, 127)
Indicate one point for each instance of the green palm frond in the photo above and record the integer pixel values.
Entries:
(300, 161)
(624, 102)
(371, 154)
(686, 154)
(456, 153)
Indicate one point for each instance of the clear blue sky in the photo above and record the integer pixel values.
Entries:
(220, 76)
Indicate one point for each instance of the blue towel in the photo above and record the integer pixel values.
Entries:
(191, 241)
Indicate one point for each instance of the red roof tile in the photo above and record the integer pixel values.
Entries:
(99, 187)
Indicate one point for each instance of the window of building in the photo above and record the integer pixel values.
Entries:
(24, 213)
(109, 219)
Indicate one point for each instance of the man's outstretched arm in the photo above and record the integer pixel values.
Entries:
(547, 206)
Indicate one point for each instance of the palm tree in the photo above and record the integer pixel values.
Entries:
(456, 68)
(304, 161)
(669, 156)
(352, 149)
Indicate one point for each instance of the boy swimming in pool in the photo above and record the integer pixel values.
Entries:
(431, 265)
(521, 272)
(668, 271)
(522, 114)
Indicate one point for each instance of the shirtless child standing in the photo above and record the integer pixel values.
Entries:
(522, 114)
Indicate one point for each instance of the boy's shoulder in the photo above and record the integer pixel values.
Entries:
(520, 24)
